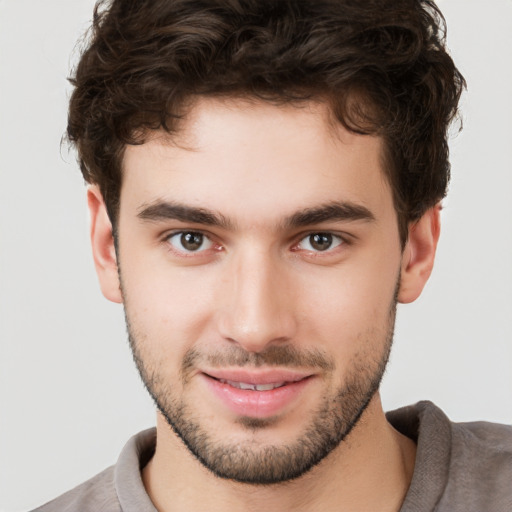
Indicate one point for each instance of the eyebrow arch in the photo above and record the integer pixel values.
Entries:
(335, 211)
(164, 210)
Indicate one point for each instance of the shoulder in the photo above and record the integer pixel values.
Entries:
(481, 465)
(459, 466)
(483, 435)
(116, 489)
(96, 494)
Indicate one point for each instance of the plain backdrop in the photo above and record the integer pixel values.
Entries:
(69, 394)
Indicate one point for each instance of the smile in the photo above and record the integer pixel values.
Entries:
(256, 394)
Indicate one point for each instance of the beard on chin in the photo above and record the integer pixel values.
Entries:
(255, 463)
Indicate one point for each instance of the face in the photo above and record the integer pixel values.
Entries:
(259, 260)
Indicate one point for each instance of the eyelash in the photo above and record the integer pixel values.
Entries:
(342, 240)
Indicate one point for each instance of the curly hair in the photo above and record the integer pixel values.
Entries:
(381, 65)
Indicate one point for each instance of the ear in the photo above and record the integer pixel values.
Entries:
(418, 255)
(103, 249)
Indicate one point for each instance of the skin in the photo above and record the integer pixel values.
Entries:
(258, 283)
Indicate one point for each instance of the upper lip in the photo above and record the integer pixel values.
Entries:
(258, 376)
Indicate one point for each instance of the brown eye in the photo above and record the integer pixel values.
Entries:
(320, 242)
(190, 241)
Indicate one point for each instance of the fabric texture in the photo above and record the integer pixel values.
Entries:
(460, 467)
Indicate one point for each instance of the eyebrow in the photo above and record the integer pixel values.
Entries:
(164, 210)
(333, 211)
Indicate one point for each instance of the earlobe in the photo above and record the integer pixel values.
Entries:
(103, 248)
(419, 254)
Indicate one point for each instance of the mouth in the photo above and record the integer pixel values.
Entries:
(257, 380)
(257, 394)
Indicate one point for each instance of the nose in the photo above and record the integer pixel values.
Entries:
(258, 307)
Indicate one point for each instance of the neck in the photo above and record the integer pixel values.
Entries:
(370, 470)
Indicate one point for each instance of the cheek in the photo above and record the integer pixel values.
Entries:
(167, 306)
(350, 306)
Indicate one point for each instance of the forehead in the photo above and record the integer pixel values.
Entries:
(251, 158)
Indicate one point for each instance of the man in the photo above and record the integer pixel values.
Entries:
(265, 180)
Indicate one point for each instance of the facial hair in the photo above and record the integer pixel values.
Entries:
(333, 419)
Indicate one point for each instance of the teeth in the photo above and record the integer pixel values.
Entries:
(243, 385)
(253, 387)
(268, 387)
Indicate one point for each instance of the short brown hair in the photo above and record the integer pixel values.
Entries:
(380, 64)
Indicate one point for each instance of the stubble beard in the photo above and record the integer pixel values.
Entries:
(251, 463)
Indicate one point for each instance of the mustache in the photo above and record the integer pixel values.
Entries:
(278, 355)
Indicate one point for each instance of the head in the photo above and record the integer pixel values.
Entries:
(264, 185)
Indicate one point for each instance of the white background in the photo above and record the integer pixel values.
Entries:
(69, 395)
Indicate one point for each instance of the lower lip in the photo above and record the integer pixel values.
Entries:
(257, 404)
